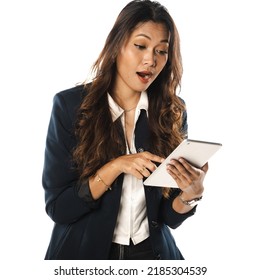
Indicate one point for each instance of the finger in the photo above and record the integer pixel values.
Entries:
(193, 171)
(152, 157)
(148, 160)
(138, 174)
(144, 172)
(180, 179)
(141, 168)
(133, 169)
(148, 166)
(173, 171)
(205, 167)
(185, 170)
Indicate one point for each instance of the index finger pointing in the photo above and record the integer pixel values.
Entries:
(153, 157)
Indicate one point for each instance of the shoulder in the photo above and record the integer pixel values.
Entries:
(67, 102)
(71, 99)
(72, 95)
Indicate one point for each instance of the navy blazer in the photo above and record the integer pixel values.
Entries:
(84, 227)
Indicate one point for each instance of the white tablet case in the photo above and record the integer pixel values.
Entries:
(194, 151)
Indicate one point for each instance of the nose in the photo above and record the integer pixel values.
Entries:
(149, 59)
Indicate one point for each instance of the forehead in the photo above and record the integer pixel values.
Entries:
(155, 31)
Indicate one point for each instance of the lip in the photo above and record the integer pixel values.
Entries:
(144, 76)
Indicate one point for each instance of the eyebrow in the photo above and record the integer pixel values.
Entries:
(146, 36)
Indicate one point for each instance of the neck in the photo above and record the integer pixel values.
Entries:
(127, 102)
(129, 110)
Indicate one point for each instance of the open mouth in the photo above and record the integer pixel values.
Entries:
(144, 76)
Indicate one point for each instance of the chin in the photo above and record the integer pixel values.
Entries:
(142, 88)
(139, 87)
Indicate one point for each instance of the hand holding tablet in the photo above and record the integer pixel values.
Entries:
(195, 152)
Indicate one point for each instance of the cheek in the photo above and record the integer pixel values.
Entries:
(125, 60)
(160, 66)
(162, 62)
(124, 69)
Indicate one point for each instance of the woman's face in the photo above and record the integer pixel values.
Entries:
(142, 57)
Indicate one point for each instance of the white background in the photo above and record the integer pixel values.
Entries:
(47, 46)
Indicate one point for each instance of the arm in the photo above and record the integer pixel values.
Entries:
(190, 181)
(170, 216)
(60, 180)
(138, 165)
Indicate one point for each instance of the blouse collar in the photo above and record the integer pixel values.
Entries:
(117, 111)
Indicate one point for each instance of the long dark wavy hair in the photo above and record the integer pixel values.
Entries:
(99, 138)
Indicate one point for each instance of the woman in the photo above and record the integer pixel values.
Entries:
(106, 136)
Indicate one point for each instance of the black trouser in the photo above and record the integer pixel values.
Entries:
(140, 251)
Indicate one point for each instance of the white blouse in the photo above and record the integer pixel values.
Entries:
(132, 221)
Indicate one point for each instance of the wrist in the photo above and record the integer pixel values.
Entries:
(191, 193)
(188, 200)
(100, 180)
(116, 166)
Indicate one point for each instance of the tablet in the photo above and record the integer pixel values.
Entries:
(194, 151)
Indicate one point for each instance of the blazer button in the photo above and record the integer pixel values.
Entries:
(158, 257)
(154, 224)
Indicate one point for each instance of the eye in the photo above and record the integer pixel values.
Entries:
(140, 47)
(161, 52)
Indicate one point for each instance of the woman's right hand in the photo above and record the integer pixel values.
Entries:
(139, 165)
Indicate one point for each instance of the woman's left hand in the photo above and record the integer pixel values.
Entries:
(188, 178)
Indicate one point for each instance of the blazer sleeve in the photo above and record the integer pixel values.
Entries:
(65, 200)
(170, 217)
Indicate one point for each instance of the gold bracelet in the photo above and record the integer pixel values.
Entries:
(99, 179)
